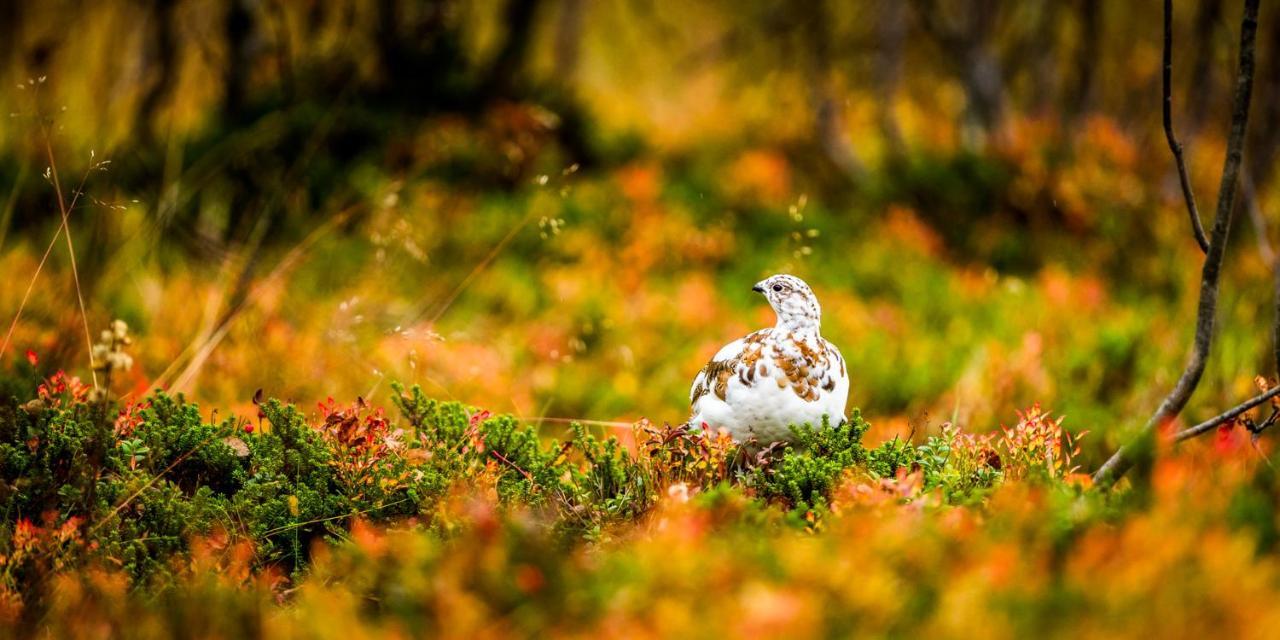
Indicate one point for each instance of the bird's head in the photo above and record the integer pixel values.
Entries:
(792, 300)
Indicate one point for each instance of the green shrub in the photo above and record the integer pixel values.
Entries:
(960, 478)
(130, 487)
(806, 472)
(609, 485)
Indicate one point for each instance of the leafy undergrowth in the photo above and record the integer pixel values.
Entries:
(154, 519)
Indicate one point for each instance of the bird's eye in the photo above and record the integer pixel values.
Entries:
(777, 287)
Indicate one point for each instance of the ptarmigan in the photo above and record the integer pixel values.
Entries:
(756, 386)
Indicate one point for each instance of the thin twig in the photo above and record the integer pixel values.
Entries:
(513, 465)
(475, 272)
(1206, 313)
(149, 483)
(287, 263)
(603, 423)
(30, 287)
(26, 296)
(1226, 416)
(71, 251)
(298, 525)
(1176, 147)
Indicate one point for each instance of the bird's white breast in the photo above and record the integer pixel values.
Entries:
(770, 382)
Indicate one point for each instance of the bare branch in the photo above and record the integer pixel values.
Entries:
(71, 250)
(1226, 416)
(1121, 461)
(1174, 145)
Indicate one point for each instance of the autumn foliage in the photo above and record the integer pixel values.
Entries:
(378, 318)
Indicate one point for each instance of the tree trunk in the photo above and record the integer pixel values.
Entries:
(891, 36)
(162, 59)
(237, 28)
(828, 125)
(1204, 44)
(568, 44)
(519, 17)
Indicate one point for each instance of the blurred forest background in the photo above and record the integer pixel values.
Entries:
(557, 207)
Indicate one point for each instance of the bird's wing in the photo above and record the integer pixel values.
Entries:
(729, 361)
(837, 383)
(836, 367)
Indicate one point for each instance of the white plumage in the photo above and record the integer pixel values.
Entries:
(757, 386)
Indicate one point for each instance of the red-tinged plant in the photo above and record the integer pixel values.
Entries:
(362, 439)
(349, 428)
(971, 451)
(61, 389)
(906, 488)
(1038, 441)
(478, 417)
(35, 551)
(129, 417)
(677, 454)
(474, 440)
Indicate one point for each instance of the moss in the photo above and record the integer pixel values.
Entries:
(133, 487)
(805, 473)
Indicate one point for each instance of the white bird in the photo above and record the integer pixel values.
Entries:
(757, 386)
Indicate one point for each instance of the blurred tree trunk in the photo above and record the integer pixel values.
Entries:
(1264, 145)
(10, 38)
(568, 43)
(386, 32)
(828, 124)
(10, 71)
(573, 131)
(237, 28)
(163, 51)
(1203, 81)
(519, 18)
(391, 55)
(421, 57)
(1042, 50)
(891, 36)
(1080, 96)
(279, 21)
(982, 71)
(1264, 149)
(968, 39)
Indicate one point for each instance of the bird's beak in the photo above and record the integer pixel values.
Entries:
(759, 288)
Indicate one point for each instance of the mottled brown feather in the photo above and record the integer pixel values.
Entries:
(798, 373)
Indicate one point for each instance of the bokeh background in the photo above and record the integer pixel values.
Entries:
(556, 208)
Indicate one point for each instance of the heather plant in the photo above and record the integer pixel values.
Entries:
(804, 475)
(672, 455)
(963, 466)
(548, 211)
(286, 482)
(166, 475)
(444, 501)
(450, 442)
(605, 484)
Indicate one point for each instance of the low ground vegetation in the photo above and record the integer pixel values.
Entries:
(154, 516)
